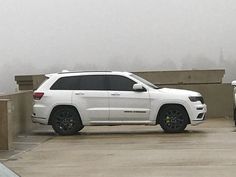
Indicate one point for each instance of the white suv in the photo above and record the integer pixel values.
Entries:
(69, 101)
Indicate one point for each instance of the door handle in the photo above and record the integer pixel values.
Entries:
(79, 93)
(115, 94)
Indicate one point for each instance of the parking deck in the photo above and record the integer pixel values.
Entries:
(205, 150)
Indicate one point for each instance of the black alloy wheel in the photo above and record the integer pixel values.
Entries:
(66, 121)
(173, 119)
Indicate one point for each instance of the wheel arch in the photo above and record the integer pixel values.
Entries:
(171, 104)
(60, 107)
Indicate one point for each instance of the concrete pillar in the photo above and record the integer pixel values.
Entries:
(4, 124)
(29, 82)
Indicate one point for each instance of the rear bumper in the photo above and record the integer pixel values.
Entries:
(39, 120)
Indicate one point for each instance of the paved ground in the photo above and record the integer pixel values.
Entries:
(207, 150)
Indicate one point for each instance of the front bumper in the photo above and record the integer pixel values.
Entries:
(199, 114)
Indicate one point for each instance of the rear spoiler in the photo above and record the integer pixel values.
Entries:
(50, 75)
(234, 83)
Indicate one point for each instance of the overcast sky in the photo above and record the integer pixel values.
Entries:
(38, 36)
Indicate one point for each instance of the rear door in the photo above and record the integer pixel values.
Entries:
(91, 98)
(125, 103)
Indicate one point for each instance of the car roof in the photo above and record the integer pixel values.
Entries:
(76, 73)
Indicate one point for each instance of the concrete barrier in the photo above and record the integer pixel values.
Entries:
(16, 109)
(183, 76)
(218, 97)
(32, 82)
(29, 82)
(5, 134)
(21, 108)
(15, 117)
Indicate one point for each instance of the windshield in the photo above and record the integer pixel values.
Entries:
(144, 81)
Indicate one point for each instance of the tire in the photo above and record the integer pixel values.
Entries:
(173, 119)
(66, 121)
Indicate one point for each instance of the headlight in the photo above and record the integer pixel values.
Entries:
(196, 98)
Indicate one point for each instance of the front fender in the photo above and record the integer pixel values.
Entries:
(156, 106)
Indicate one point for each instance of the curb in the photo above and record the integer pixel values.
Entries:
(5, 172)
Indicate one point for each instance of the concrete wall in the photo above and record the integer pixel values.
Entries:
(29, 82)
(21, 110)
(16, 109)
(5, 117)
(15, 117)
(218, 97)
(32, 82)
(183, 77)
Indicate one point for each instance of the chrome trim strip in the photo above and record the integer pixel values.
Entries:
(135, 111)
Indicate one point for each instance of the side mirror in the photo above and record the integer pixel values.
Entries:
(138, 88)
(234, 83)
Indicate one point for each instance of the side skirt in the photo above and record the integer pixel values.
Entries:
(104, 123)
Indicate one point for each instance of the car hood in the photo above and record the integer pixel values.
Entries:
(179, 92)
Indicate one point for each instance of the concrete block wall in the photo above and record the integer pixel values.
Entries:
(218, 97)
(183, 76)
(16, 109)
(15, 117)
(21, 111)
(5, 117)
(29, 82)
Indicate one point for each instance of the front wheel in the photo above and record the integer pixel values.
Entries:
(173, 119)
(66, 121)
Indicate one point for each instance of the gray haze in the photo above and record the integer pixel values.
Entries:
(38, 36)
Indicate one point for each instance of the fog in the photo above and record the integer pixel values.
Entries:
(44, 36)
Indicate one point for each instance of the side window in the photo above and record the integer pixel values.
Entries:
(120, 83)
(66, 83)
(92, 82)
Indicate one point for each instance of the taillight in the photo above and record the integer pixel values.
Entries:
(38, 95)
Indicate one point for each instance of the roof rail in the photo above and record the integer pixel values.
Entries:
(65, 72)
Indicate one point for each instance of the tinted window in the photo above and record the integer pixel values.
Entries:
(66, 83)
(120, 83)
(92, 83)
(80, 83)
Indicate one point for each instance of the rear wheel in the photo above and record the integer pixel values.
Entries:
(173, 119)
(66, 121)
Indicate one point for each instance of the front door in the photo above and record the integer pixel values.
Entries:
(126, 104)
